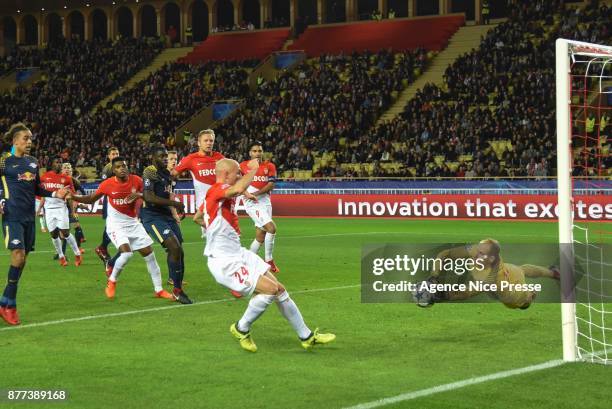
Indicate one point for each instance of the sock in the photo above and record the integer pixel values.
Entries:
(257, 305)
(9, 297)
(57, 243)
(73, 245)
(120, 263)
(292, 313)
(105, 240)
(63, 245)
(78, 235)
(113, 260)
(203, 232)
(269, 244)
(175, 271)
(43, 224)
(155, 272)
(255, 246)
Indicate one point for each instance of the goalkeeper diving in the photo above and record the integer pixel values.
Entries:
(491, 269)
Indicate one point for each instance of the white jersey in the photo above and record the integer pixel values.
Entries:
(222, 230)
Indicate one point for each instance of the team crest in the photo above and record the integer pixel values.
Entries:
(63, 181)
(167, 231)
(265, 171)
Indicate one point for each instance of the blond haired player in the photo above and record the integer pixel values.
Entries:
(239, 269)
(201, 166)
(260, 210)
(494, 271)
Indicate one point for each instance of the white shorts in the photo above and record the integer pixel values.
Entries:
(260, 212)
(135, 235)
(238, 273)
(57, 218)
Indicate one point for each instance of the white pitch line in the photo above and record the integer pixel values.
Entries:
(457, 385)
(170, 307)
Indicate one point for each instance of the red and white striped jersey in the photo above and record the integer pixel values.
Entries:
(221, 220)
(202, 169)
(120, 212)
(53, 182)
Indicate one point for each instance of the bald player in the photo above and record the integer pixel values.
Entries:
(494, 271)
(238, 268)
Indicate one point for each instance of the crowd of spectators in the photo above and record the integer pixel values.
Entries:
(77, 75)
(151, 111)
(314, 106)
(504, 90)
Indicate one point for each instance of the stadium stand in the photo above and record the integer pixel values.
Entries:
(493, 117)
(322, 105)
(238, 46)
(78, 74)
(403, 34)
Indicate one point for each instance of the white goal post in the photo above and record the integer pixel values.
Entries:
(586, 65)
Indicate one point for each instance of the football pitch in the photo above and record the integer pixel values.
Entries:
(140, 352)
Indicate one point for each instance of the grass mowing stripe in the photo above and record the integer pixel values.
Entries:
(169, 307)
(314, 236)
(457, 385)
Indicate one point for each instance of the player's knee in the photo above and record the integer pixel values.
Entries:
(64, 233)
(271, 228)
(55, 234)
(18, 258)
(174, 254)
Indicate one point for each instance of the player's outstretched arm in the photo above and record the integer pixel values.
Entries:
(243, 183)
(88, 199)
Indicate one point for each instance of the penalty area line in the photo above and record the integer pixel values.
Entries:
(168, 307)
(456, 385)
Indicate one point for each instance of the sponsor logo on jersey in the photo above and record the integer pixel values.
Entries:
(121, 202)
(207, 172)
(33, 165)
(26, 176)
(260, 179)
(51, 185)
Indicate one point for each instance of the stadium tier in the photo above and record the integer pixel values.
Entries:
(405, 34)
(238, 46)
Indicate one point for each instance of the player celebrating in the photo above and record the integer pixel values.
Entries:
(239, 269)
(107, 172)
(56, 212)
(124, 230)
(21, 184)
(158, 220)
(488, 252)
(201, 165)
(260, 210)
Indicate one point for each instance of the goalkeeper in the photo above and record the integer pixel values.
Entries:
(494, 271)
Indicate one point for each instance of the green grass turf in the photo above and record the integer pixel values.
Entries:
(184, 357)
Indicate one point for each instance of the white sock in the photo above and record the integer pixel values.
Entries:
(73, 245)
(155, 272)
(292, 313)
(255, 246)
(269, 243)
(257, 305)
(120, 263)
(203, 232)
(43, 224)
(57, 243)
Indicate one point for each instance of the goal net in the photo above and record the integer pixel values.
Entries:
(584, 170)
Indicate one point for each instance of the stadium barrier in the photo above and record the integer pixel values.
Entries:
(478, 200)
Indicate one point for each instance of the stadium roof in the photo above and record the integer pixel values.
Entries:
(8, 7)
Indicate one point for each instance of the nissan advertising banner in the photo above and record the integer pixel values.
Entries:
(509, 207)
